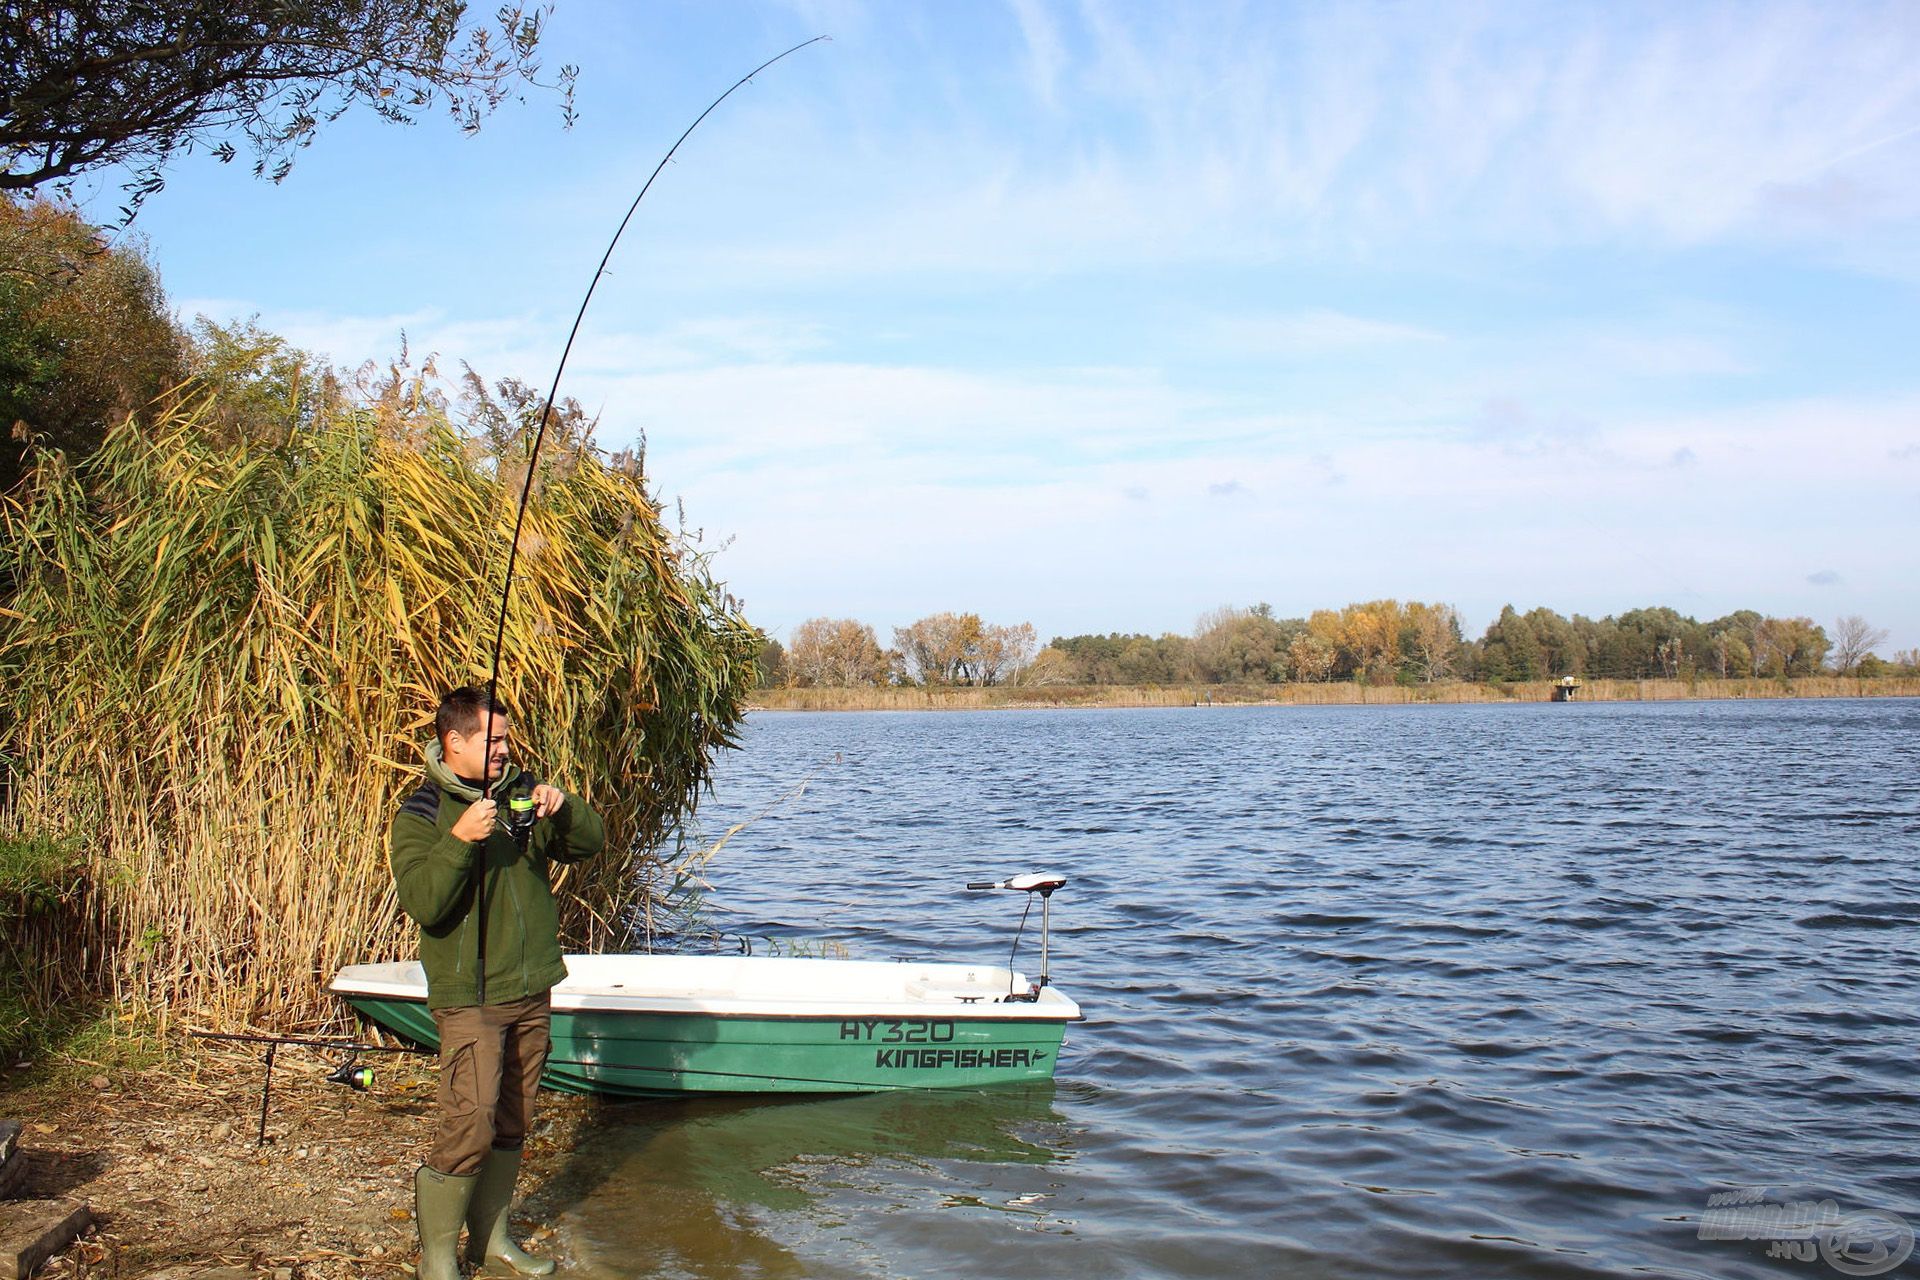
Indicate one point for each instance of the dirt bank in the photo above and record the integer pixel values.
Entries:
(167, 1159)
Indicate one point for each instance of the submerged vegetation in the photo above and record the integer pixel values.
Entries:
(222, 632)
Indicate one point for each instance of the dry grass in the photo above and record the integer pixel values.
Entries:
(217, 661)
(1010, 697)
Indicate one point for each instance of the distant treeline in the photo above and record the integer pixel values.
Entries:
(1379, 642)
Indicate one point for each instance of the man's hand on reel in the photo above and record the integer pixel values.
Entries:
(547, 800)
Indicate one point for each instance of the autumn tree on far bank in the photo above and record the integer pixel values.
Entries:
(835, 653)
(1789, 647)
(1241, 646)
(1114, 658)
(1854, 640)
(1431, 640)
(960, 648)
(1372, 642)
(1311, 656)
(770, 664)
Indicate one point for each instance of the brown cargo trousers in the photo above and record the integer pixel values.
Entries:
(490, 1062)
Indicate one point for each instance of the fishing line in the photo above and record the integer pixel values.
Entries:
(526, 489)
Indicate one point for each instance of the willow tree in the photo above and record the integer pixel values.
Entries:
(218, 659)
(85, 86)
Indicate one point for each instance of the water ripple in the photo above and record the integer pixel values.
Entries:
(1423, 991)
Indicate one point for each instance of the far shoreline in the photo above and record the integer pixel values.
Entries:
(1344, 693)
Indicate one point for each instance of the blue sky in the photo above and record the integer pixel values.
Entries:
(1099, 316)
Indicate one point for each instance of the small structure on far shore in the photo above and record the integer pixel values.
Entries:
(1564, 689)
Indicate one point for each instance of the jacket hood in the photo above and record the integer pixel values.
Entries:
(451, 783)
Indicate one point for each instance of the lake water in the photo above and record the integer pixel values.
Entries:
(1412, 991)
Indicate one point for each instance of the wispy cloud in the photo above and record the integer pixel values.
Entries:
(1467, 294)
(840, 481)
(847, 527)
(1311, 332)
(1046, 56)
(1264, 132)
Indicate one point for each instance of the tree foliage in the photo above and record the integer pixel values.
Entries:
(837, 653)
(961, 648)
(770, 664)
(1430, 639)
(1240, 646)
(1114, 658)
(1381, 641)
(134, 82)
(85, 337)
(1854, 640)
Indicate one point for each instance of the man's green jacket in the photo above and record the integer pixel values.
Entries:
(433, 871)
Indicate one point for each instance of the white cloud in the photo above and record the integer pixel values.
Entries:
(1646, 510)
(887, 491)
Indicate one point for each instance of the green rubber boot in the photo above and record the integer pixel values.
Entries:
(439, 1206)
(489, 1247)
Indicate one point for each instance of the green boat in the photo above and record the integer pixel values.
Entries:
(647, 1025)
(643, 1025)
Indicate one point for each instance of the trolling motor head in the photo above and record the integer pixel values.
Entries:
(1032, 882)
(1040, 882)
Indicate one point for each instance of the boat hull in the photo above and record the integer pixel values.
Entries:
(615, 1045)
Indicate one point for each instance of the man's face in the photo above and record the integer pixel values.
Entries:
(477, 755)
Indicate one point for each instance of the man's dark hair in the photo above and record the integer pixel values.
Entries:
(463, 710)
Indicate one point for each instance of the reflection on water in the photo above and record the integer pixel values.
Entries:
(1422, 991)
(678, 1187)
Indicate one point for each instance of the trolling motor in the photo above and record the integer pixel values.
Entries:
(1042, 883)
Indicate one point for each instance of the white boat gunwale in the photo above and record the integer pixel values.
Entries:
(406, 981)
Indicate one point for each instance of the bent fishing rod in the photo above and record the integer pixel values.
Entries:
(526, 492)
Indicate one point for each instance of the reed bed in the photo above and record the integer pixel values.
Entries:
(219, 662)
(1343, 693)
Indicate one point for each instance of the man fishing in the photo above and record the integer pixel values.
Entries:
(489, 942)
